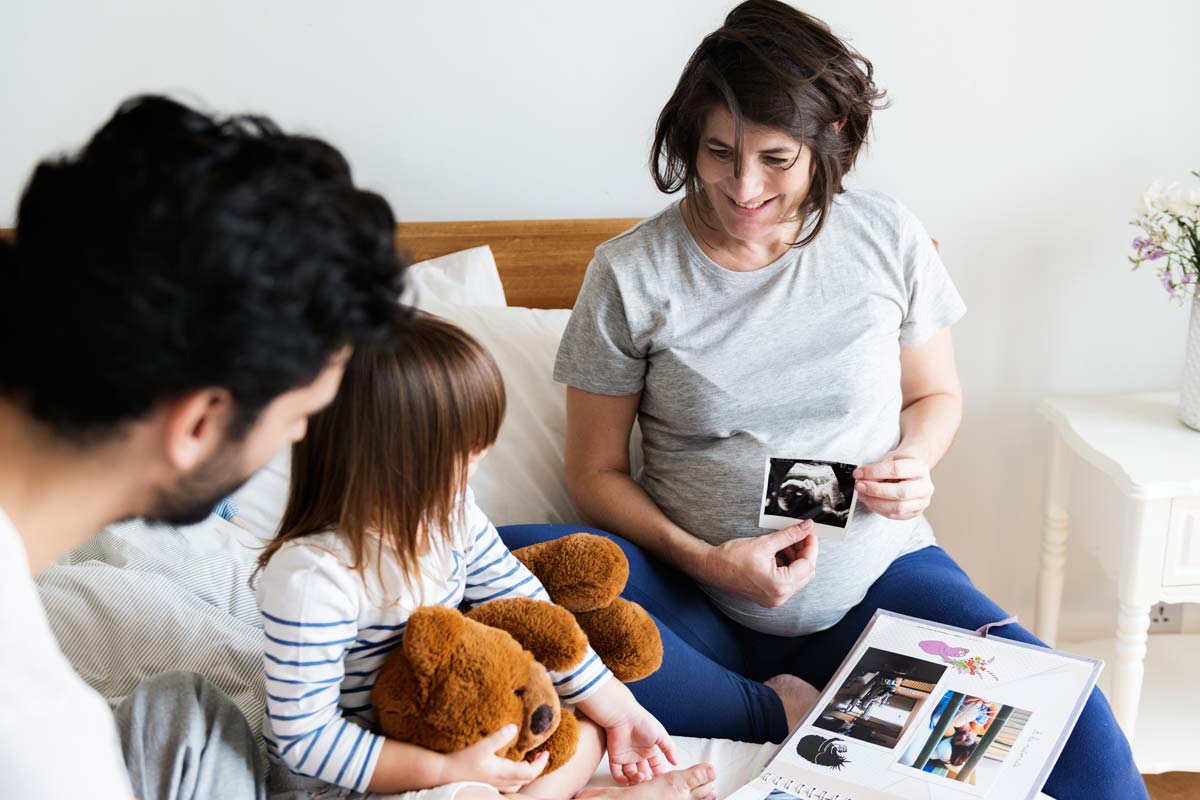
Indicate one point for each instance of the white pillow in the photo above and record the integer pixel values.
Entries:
(522, 479)
(467, 276)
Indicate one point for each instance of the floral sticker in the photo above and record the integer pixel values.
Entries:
(957, 658)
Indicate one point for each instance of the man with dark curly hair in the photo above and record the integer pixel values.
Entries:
(178, 299)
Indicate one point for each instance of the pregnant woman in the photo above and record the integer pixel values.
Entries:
(773, 313)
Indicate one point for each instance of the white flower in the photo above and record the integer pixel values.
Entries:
(1175, 201)
(1192, 198)
(1151, 197)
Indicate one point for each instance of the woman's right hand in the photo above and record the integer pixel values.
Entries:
(479, 762)
(766, 570)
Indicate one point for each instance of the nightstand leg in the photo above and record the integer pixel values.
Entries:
(1133, 623)
(1140, 580)
(1055, 531)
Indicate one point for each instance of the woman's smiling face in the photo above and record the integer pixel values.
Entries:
(758, 202)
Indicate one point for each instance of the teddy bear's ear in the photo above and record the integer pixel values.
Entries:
(547, 631)
(430, 638)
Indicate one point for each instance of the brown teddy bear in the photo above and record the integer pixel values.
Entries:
(585, 574)
(459, 677)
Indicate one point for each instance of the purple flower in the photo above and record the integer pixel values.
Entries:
(1156, 254)
(1139, 242)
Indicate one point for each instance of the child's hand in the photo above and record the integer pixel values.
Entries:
(638, 748)
(638, 745)
(479, 762)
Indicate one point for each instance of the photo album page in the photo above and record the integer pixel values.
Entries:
(922, 710)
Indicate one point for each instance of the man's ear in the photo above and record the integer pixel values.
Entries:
(193, 426)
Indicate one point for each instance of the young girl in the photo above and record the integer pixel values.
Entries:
(379, 521)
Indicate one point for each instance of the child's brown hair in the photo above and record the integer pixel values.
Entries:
(389, 456)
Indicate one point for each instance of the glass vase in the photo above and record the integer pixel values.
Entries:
(1189, 390)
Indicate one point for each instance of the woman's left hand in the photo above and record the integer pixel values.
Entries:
(897, 486)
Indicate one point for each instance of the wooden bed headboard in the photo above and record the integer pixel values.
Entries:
(541, 261)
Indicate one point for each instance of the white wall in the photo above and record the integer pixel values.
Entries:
(1021, 133)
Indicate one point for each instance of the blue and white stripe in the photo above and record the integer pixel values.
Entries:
(305, 667)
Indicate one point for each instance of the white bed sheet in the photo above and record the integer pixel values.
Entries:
(736, 762)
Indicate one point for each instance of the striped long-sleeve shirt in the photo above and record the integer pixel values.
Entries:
(329, 631)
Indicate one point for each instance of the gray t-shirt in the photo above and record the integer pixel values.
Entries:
(798, 359)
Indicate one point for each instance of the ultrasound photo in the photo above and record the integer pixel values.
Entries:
(799, 489)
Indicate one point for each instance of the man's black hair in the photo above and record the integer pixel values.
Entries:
(177, 251)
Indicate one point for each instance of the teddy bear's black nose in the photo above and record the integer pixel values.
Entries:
(543, 716)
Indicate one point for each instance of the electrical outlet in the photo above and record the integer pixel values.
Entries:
(1166, 618)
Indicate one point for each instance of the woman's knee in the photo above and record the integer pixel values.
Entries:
(646, 573)
(1097, 760)
(525, 534)
(930, 585)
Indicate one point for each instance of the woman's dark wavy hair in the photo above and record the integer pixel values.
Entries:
(177, 252)
(777, 67)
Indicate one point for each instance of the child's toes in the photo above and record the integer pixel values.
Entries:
(694, 783)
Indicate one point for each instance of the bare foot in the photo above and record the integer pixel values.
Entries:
(798, 696)
(693, 783)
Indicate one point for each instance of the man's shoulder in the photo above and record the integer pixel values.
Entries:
(49, 709)
(23, 624)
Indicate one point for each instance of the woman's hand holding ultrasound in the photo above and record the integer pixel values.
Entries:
(898, 486)
(767, 569)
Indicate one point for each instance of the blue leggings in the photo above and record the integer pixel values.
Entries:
(710, 681)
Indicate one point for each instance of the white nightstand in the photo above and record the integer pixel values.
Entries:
(1153, 460)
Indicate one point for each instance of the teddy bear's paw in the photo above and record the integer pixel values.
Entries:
(626, 639)
(582, 572)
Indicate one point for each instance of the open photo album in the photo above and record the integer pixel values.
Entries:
(922, 710)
